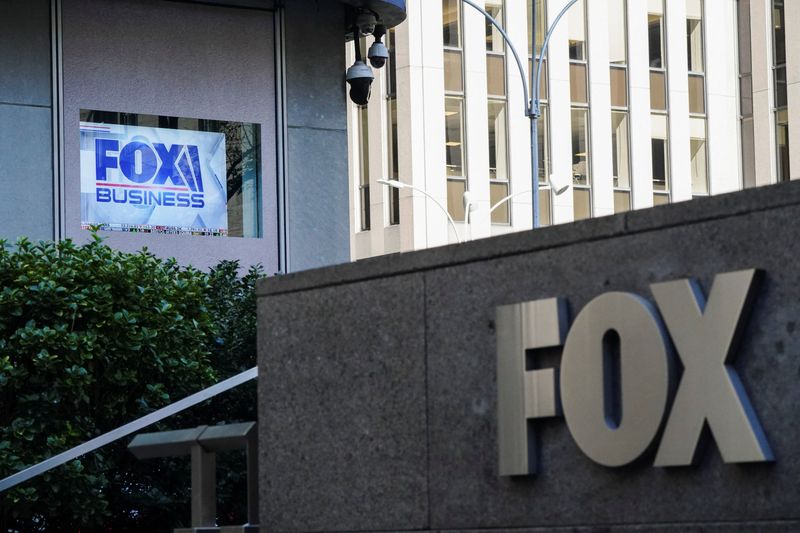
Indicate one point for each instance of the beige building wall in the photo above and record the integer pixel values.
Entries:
(421, 116)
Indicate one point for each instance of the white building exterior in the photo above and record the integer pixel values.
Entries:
(645, 102)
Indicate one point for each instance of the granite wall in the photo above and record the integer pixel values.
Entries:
(377, 395)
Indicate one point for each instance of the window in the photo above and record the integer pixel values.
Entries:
(497, 112)
(746, 94)
(543, 137)
(659, 138)
(161, 174)
(454, 109)
(363, 167)
(781, 97)
(391, 99)
(697, 98)
(579, 95)
(620, 124)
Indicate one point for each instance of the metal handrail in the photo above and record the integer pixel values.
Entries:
(131, 427)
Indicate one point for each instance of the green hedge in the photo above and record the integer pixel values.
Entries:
(92, 338)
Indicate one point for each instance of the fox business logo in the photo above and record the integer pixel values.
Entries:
(157, 174)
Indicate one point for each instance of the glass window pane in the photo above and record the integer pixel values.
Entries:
(544, 145)
(543, 81)
(660, 149)
(697, 94)
(582, 203)
(451, 21)
(782, 135)
(363, 153)
(391, 71)
(694, 35)
(494, 39)
(779, 36)
(617, 32)
(453, 73)
(578, 83)
(619, 87)
(577, 32)
(545, 210)
(454, 135)
(394, 173)
(658, 90)
(622, 201)
(498, 145)
(455, 198)
(498, 191)
(660, 199)
(656, 40)
(746, 92)
(496, 75)
(745, 48)
(541, 25)
(580, 147)
(620, 154)
(748, 152)
(698, 156)
(781, 95)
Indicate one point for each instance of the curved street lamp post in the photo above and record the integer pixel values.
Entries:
(532, 104)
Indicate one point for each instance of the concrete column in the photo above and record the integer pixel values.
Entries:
(792, 10)
(560, 116)
(602, 166)
(421, 133)
(722, 109)
(680, 170)
(476, 112)
(639, 81)
(763, 91)
(519, 138)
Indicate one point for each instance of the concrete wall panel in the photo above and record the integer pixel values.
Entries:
(428, 317)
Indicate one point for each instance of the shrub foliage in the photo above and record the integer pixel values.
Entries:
(92, 338)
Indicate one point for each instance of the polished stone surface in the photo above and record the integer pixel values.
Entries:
(442, 306)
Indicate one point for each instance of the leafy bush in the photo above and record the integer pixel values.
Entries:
(92, 338)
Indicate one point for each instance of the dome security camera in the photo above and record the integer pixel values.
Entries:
(378, 54)
(360, 78)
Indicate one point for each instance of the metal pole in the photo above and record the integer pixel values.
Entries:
(535, 168)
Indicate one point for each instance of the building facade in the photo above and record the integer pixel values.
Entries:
(184, 127)
(643, 103)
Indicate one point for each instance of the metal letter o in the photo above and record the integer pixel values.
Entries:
(644, 361)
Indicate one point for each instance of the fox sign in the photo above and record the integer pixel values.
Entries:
(615, 386)
(171, 181)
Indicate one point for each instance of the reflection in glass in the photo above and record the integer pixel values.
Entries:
(453, 71)
(658, 90)
(541, 25)
(617, 32)
(394, 170)
(498, 145)
(455, 198)
(782, 138)
(619, 150)
(697, 94)
(578, 89)
(577, 32)
(619, 87)
(656, 40)
(498, 191)
(694, 35)
(496, 75)
(363, 167)
(454, 135)
(660, 149)
(582, 203)
(545, 209)
(622, 201)
(544, 145)
(451, 23)
(580, 147)
(494, 39)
